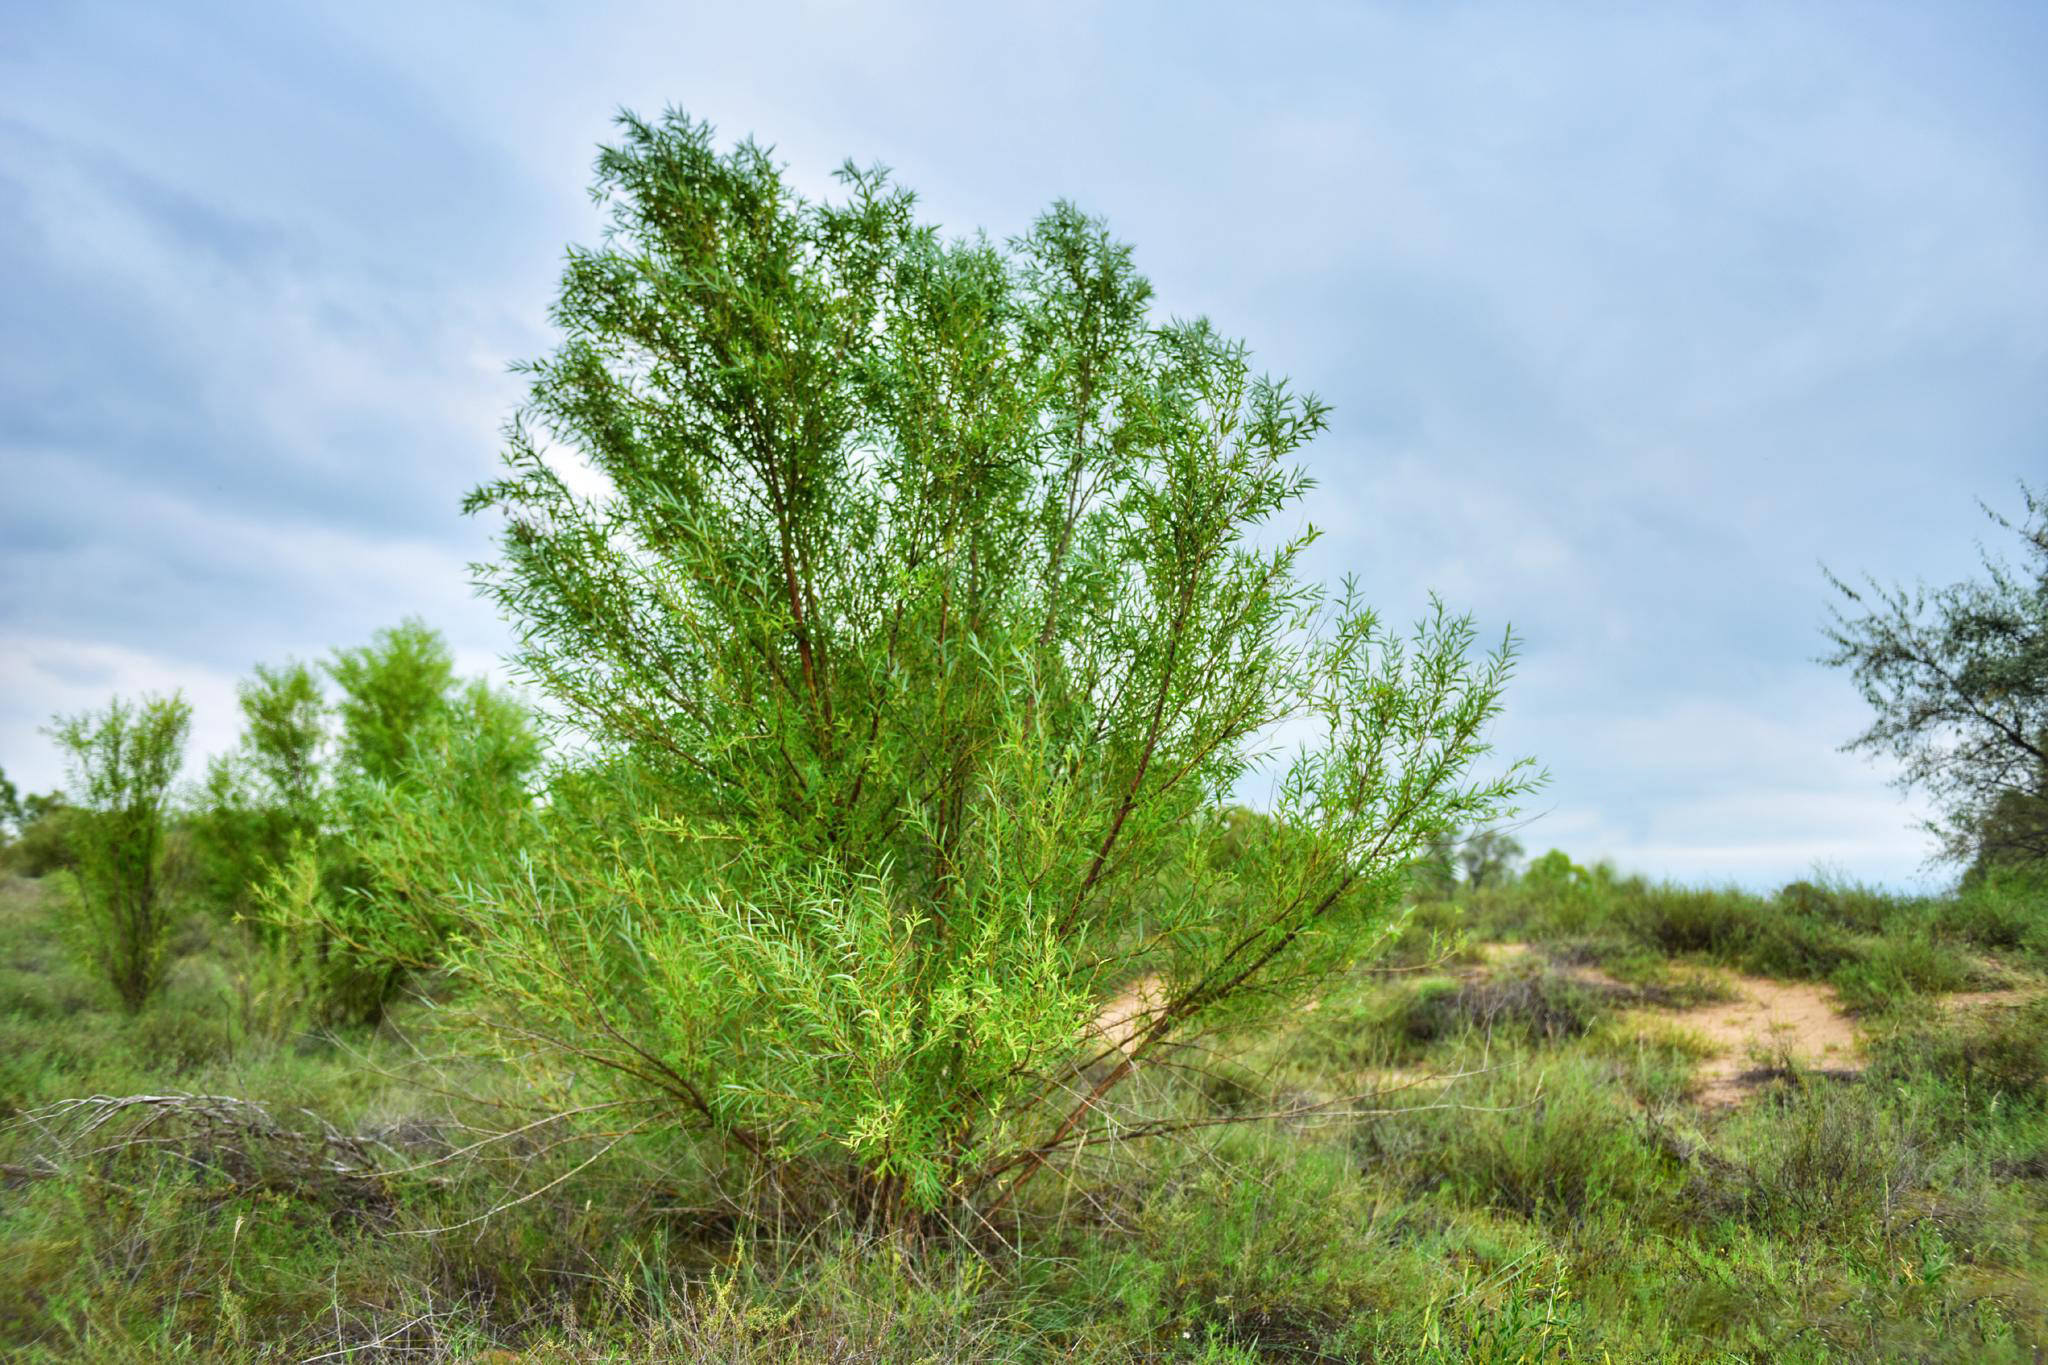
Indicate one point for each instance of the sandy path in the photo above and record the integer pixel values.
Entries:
(1770, 1022)
(1796, 1020)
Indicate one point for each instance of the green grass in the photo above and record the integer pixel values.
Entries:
(1507, 1166)
(1880, 951)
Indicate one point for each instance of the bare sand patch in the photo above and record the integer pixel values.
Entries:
(1767, 1023)
(1122, 1020)
(1770, 1023)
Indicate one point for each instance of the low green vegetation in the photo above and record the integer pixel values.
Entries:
(1463, 1155)
(1877, 950)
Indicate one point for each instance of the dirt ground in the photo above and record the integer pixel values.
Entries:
(1768, 1025)
(1125, 1016)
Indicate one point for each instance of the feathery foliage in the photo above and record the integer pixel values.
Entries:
(390, 689)
(406, 723)
(929, 613)
(123, 761)
(270, 792)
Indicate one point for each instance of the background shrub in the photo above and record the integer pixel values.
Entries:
(123, 762)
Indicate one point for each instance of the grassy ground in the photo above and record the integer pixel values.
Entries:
(1487, 1154)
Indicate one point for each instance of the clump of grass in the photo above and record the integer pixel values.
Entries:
(1996, 1056)
(1893, 970)
(1652, 979)
(1258, 1239)
(1562, 1148)
(1836, 1161)
(1545, 1143)
(1542, 1006)
(1654, 1058)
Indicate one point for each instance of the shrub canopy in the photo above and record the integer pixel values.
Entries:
(920, 604)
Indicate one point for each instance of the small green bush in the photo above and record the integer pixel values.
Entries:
(1535, 1006)
(1264, 1241)
(1830, 1161)
(334, 940)
(1791, 947)
(1894, 969)
(188, 1024)
(2007, 910)
(1677, 920)
(1544, 1142)
(1558, 1148)
(123, 761)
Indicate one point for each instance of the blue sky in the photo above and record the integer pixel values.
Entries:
(1631, 315)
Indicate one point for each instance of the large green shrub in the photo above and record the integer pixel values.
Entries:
(390, 689)
(123, 762)
(921, 622)
(2006, 909)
